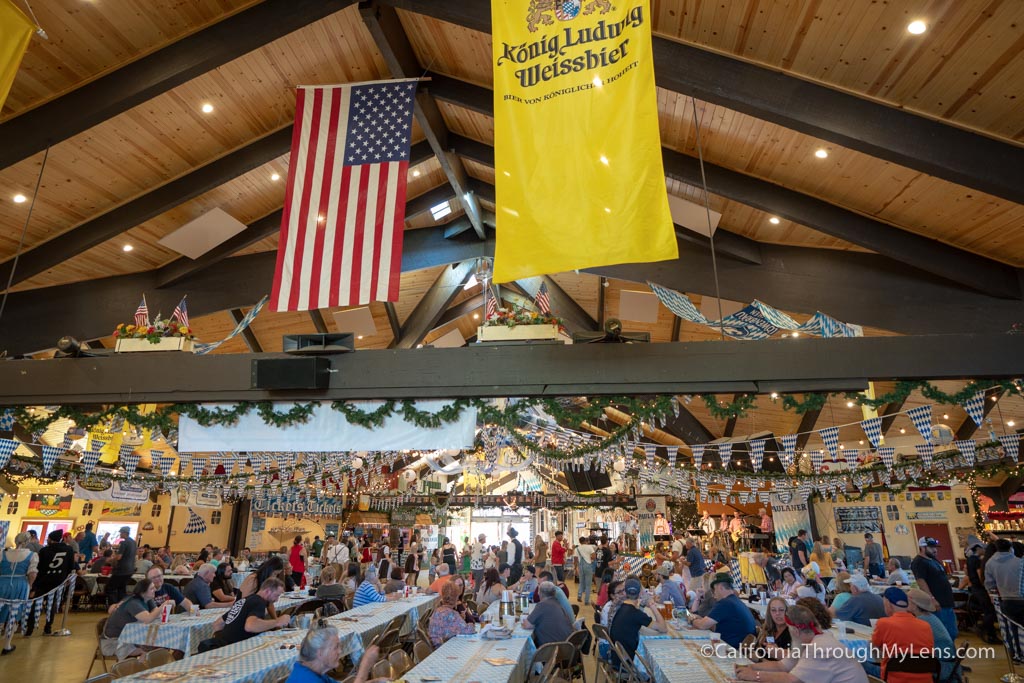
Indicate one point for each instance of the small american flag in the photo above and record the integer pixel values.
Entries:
(344, 211)
(142, 314)
(181, 313)
(542, 300)
(491, 308)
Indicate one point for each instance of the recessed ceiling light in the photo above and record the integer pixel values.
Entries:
(20, 199)
(917, 27)
(945, 416)
(849, 404)
(207, 108)
(275, 176)
(903, 430)
(127, 247)
(476, 316)
(821, 153)
(416, 173)
(1011, 423)
(359, 337)
(794, 335)
(774, 220)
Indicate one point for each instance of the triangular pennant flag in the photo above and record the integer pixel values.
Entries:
(6, 420)
(925, 451)
(125, 450)
(89, 460)
(195, 524)
(967, 448)
(817, 458)
(830, 435)
(673, 458)
(725, 454)
(873, 430)
(851, 457)
(698, 454)
(158, 460)
(130, 462)
(757, 454)
(1011, 445)
(198, 465)
(789, 443)
(921, 416)
(649, 451)
(7, 448)
(975, 407)
(69, 442)
(888, 455)
(50, 455)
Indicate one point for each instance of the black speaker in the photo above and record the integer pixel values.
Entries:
(587, 480)
(304, 372)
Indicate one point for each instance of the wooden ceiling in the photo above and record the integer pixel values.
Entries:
(965, 71)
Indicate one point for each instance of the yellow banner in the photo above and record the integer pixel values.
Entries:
(15, 32)
(578, 168)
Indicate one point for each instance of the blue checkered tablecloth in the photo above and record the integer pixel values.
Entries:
(674, 660)
(238, 577)
(182, 632)
(269, 656)
(463, 659)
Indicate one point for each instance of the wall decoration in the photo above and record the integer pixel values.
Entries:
(121, 510)
(48, 505)
(859, 520)
(95, 488)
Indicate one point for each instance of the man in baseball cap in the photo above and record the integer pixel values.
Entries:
(631, 617)
(932, 579)
(670, 590)
(863, 605)
(729, 616)
(923, 607)
(900, 631)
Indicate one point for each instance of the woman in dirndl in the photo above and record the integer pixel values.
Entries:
(18, 569)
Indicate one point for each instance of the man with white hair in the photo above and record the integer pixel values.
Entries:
(319, 653)
(548, 621)
(443, 577)
(198, 589)
(863, 605)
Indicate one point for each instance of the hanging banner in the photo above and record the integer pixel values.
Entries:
(647, 509)
(327, 430)
(48, 505)
(184, 496)
(115, 491)
(121, 510)
(789, 515)
(277, 506)
(580, 181)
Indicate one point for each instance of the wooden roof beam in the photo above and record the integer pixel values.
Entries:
(936, 148)
(434, 303)
(931, 256)
(389, 35)
(687, 427)
(156, 73)
(564, 306)
(247, 334)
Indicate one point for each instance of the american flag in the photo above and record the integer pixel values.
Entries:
(542, 300)
(491, 308)
(142, 314)
(344, 211)
(181, 313)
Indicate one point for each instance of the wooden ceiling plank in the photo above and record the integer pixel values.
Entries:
(387, 32)
(157, 73)
(434, 303)
(564, 306)
(902, 137)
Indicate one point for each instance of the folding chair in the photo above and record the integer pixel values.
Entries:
(577, 669)
(98, 654)
(128, 667)
(158, 657)
(421, 650)
(563, 653)
(627, 672)
(604, 665)
(382, 669)
(400, 662)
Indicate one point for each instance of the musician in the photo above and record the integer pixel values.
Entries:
(661, 525)
(767, 527)
(707, 525)
(736, 525)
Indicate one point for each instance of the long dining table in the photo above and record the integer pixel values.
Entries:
(271, 655)
(471, 658)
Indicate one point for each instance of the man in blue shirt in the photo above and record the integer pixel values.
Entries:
(319, 653)
(863, 605)
(670, 590)
(729, 616)
(89, 543)
(165, 591)
(695, 561)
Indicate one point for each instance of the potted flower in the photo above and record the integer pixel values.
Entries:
(519, 324)
(160, 335)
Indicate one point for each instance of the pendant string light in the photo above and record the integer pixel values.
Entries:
(707, 209)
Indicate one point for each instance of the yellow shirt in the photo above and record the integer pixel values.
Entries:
(828, 568)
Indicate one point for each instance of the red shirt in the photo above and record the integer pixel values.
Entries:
(905, 631)
(557, 553)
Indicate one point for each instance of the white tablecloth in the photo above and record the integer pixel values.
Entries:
(464, 658)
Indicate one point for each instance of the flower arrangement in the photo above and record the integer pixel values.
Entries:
(510, 317)
(153, 333)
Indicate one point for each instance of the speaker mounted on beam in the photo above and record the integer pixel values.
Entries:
(312, 372)
(318, 344)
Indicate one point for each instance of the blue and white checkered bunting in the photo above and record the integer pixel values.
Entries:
(873, 430)
(89, 460)
(163, 464)
(1011, 445)
(817, 458)
(125, 450)
(195, 525)
(921, 416)
(69, 442)
(6, 420)
(203, 349)
(967, 448)
(725, 454)
(788, 448)
(888, 456)
(975, 407)
(851, 455)
(925, 451)
(830, 435)
(130, 462)
(698, 454)
(50, 455)
(198, 465)
(735, 573)
(757, 454)
(649, 451)
(7, 448)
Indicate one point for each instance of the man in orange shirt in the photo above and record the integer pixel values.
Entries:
(904, 643)
(443, 577)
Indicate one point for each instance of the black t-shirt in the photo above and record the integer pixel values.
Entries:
(795, 546)
(56, 561)
(234, 621)
(973, 568)
(626, 628)
(604, 556)
(126, 565)
(931, 572)
(517, 556)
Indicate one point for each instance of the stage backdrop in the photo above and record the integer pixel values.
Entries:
(646, 509)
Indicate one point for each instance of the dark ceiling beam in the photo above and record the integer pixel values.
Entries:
(156, 73)
(459, 310)
(889, 413)
(562, 305)
(319, 324)
(602, 285)
(396, 327)
(687, 427)
(677, 324)
(866, 289)
(237, 315)
(35, 319)
(931, 256)
(730, 424)
(806, 428)
(390, 37)
(434, 303)
(519, 370)
(967, 428)
(933, 147)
